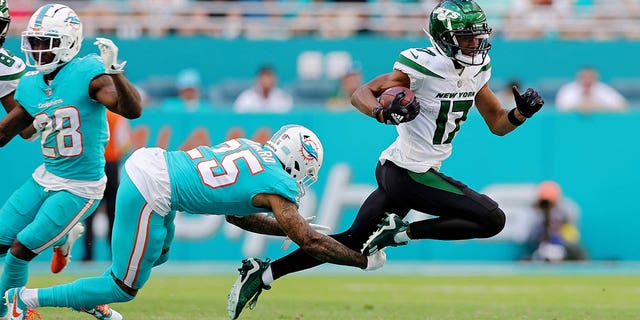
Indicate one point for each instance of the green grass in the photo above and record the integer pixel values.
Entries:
(373, 296)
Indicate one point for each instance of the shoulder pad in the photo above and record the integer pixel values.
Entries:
(418, 54)
(11, 67)
(421, 62)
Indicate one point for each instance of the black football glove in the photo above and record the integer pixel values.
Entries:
(396, 113)
(528, 103)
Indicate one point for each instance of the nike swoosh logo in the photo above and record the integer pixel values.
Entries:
(414, 55)
(15, 312)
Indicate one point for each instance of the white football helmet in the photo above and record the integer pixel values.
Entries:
(53, 28)
(5, 19)
(300, 152)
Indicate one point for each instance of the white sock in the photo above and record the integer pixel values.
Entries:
(401, 237)
(30, 298)
(267, 276)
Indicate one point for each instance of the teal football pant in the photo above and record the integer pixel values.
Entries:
(140, 241)
(38, 219)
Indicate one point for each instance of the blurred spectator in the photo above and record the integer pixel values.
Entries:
(588, 94)
(555, 236)
(197, 21)
(119, 144)
(264, 95)
(528, 19)
(349, 82)
(233, 23)
(505, 95)
(189, 86)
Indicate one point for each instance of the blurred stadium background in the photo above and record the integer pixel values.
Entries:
(542, 44)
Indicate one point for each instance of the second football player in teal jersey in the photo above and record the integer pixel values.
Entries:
(65, 99)
(238, 178)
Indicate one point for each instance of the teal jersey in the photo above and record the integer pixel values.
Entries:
(223, 179)
(73, 126)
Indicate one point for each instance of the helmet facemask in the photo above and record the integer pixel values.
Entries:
(469, 47)
(53, 37)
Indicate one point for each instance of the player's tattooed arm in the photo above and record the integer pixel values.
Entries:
(258, 223)
(316, 244)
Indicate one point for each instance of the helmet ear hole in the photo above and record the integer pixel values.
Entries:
(296, 165)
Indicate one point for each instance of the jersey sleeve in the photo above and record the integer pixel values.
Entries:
(7, 86)
(287, 188)
(91, 66)
(24, 95)
(414, 62)
(11, 69)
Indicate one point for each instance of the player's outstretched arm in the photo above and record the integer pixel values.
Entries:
(258, 223)
(500, 120)
(264, 224)
(316, 244)
(113, 89)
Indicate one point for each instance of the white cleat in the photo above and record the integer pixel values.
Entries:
(103, 312)
(61, 254)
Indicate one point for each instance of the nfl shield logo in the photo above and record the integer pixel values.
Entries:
(48, 92)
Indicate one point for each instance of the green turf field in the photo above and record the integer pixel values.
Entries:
(378, 296)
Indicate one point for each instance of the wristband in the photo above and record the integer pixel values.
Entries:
(375, 112)
(512, 118)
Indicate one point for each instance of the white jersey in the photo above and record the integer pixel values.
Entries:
(445, 98)
(11, 69)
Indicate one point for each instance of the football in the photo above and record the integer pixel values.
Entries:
(386, 98)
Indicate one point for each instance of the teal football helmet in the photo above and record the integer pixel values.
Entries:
(300, 152)
(459, 30)
(53, 28)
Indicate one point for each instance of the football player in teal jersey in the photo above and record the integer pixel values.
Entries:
(238, 178)
(11, 69)
(65, 99)
(447, 79)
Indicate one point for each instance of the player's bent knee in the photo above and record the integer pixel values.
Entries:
(20, 251)
(348, 240)
(125, 293)
(494, 223)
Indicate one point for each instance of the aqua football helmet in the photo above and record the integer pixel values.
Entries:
(300, 152)
(5, 19)
(56, 30)
(459, 30)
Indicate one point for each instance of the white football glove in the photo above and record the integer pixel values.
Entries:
(376, 260)
(317, 227)
(109, 55)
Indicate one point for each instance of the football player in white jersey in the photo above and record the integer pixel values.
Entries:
(11, 69)
(447, 79)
